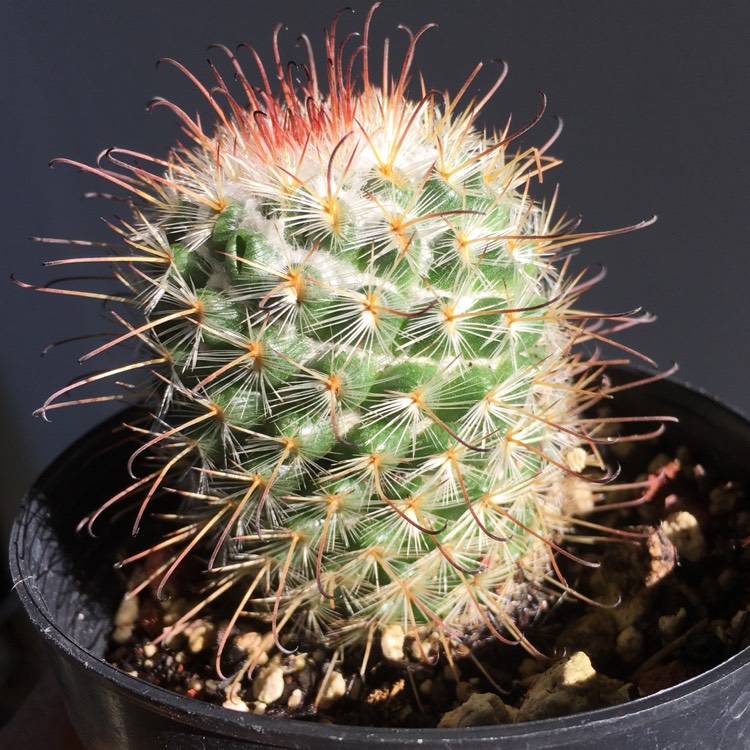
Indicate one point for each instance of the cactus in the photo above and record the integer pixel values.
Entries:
(360, 353)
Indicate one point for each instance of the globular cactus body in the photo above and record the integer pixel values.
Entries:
(364, 384)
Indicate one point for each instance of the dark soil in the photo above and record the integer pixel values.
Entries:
(669, 601)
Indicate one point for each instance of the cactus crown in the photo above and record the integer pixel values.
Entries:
(358, 352)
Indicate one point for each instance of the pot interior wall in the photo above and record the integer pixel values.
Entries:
(71, 575)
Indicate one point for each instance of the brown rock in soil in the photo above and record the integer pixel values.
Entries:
(392, 642)
(629, 644)
(570, 686)
(663, 676)
(683, 530)
(125, 619)
(332, 690)
(480, 710)
(629, 567)
(612, 692)
(594, 633)
(268, 686)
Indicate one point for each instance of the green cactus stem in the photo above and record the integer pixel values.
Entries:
(363, 358)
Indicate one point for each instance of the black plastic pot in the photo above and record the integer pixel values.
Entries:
(70, 594)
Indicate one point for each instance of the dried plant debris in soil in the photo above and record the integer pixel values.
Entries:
(684, 607)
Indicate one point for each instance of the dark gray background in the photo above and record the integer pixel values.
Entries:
(655, 101)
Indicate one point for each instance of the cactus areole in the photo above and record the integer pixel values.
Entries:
(360, 350)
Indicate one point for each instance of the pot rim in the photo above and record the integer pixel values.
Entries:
(239, 725)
